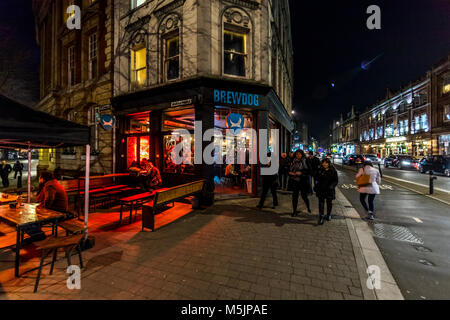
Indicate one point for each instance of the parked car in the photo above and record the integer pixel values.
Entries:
(437, 164)
(405, 162)
(352, 159)
(373, 158)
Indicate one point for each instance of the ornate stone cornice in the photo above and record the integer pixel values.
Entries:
(138, 24)
(253, 5)
(159, 13)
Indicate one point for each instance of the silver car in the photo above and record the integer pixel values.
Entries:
(373, 158)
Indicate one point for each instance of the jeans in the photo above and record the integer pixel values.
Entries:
(322, 206)
(301, 187)
(362, 198)
(265, 189)
(283, 179)
(5, 181)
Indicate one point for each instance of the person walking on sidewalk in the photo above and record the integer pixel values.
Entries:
(299, 174)
(269, 182)
(326, 181)
(370, 190)
(5, 170)
(314, 165)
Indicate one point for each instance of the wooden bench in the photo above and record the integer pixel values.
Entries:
(164, 197)
(135, 202)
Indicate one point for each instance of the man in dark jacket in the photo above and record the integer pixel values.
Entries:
(5, 170)
(314, 165)
(283, 172)
(269, 182)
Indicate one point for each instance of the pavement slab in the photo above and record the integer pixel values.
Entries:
(231, 250)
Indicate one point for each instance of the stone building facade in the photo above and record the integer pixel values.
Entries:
(180, 61)
(76, 78)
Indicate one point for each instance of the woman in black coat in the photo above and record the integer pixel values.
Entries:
(326, 182)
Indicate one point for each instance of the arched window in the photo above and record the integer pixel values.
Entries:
(169, 31)
(138, 60)
(236, 43)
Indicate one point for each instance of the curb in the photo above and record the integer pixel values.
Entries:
(368, 254)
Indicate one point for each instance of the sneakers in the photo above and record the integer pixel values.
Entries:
(329, 217)
(371, 216)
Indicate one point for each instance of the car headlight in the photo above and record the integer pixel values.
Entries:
(406, 163)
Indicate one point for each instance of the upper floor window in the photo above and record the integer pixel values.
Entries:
(92, 58)
(446, 84)
(447, 113)
(235, 53)
(138, 66)
(136, 3)
(71, 65)
(172, 57)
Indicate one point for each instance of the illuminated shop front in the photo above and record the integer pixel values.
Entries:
(148, 120)
(444, 144)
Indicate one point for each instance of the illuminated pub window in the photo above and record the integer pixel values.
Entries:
(138, 140)
(234, 53)
(173, 119)
(446, 84)
(138, 66)
(242, 145)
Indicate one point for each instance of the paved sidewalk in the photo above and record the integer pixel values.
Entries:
(229, 251)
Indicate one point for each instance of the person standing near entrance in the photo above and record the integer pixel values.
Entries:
(283, 172)
(370, 190)
(269, 182)
(5, 170)
(326, 180)
(314, 166)
(299, 174)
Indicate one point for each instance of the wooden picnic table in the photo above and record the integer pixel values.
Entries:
(11, 198)
(27, 215)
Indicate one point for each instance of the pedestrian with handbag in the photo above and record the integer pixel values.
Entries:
(326, 181)
(299, 174)
(368, 181)
(269, 182)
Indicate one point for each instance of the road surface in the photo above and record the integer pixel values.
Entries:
(420, 261)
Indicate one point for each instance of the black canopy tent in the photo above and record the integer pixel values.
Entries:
(27, 128)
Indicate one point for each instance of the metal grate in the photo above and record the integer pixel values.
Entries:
(391, 232)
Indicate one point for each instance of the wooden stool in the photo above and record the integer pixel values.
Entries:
(52, 244)
(72, 226)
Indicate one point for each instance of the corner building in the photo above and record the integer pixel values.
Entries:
(176, 62)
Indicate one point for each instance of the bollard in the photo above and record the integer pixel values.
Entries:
(379, 169)
(432, 178)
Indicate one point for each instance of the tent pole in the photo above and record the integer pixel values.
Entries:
(29, 173)
(86, 189)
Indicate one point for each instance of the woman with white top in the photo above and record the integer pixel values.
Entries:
(370, 190)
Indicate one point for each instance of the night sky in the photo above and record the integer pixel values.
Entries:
(331, 41)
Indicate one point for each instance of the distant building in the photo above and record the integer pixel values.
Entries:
(76, 78)
(345, 134)
(300, 137)
(440, 107)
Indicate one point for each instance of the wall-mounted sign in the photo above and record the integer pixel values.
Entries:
(235, 122)
(238, 98)
(181, 103)
(107, 121)
(396, 139)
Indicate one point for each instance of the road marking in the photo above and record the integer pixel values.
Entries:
(417, 220)
(415, 183)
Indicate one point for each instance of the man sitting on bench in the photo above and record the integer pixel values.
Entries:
(154, 180)
(51, 195)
